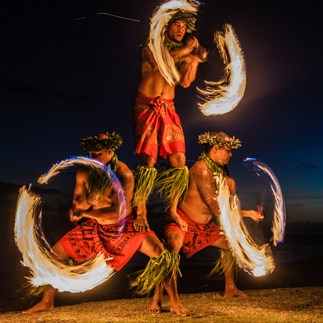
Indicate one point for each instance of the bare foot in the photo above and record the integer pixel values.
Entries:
(157, 300)
(235, 292)
(179, 221)
(180, 309)
(155, 308)
(39, 307)
(141, 225)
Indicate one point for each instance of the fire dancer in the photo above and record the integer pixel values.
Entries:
(200, 208)
(101, 230)
(157, 126)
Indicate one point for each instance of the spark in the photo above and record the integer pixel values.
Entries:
(252, 258)
(279, 219)
(223, 96)
(109, 14)
(30, 240)
(116, 16)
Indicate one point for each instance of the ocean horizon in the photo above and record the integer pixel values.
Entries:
(302, 240)
(298, 259)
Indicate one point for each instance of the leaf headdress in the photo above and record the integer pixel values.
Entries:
(213, 138)
(93, 143)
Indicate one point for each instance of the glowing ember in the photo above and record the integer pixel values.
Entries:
(223, 96)
(45, 269)
(279, 219)
(158, 25)
(254, 259)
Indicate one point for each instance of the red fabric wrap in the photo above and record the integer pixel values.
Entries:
(198, 236)
(119, 241)
(157, 127)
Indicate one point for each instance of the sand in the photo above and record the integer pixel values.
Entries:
(303, 304)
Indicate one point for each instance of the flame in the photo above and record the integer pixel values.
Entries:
(254, 259)
(158, 24)
(279, 219)
(223, 96)
(45, 269)
(90, 162)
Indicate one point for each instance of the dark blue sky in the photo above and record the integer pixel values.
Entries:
(67, 72)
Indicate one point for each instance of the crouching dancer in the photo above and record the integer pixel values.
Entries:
(200, 209)
(101, 229)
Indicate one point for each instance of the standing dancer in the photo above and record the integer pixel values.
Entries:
(157, 126)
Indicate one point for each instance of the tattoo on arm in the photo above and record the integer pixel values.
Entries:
(206, 186)
(148, 57)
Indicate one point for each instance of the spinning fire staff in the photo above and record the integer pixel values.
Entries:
(106, 237)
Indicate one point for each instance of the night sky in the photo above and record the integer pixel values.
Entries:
(68, 71)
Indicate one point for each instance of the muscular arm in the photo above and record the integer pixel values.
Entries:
(189, 57)
(206, 187)
(256, 216)
(86, 207)
(179, 54)
(188, 71)
(253, 214)
(80, 201)
(105, 214)
(127, 179)
(148, 57)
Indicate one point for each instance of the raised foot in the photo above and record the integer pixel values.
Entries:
(180, 310)
(39, 307)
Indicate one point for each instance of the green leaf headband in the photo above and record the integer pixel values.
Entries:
(188, 17)
(93, 143)
(212, 138)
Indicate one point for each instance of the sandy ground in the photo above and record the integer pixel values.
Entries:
(292, 293)
(303, 304)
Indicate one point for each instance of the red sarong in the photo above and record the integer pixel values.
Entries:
(157, 127)
(117, 241)
(198, 236)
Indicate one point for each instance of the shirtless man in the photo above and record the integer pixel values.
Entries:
(95, 200)
(157, 126)
(200, 206)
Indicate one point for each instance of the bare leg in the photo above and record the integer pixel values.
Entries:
(231, 289)
(141, 222)
(46, 303)
(177, 160)
(175, 240)
(176, 306)
(156, 304)
(148, 163)
(172, 212)
(152, 247)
